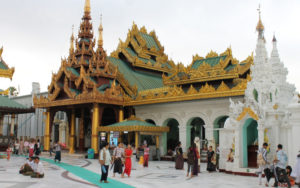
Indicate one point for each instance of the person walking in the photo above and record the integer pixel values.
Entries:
(190, 161)
(263, 164)
(179, 161)
(37, 148)
(210, 158)
(117, 158)
(8, 152)
(26, 145)
(21, 151)
(104, 160)
(196, 153)
(17, 147)
(31, 148)
(146, 155)
(57, 152)
(281, 163)
(128, 163)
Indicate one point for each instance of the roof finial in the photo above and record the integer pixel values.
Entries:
(72, 40)
(100, 40)
(260, 27)
(87, 6)
(274, 38)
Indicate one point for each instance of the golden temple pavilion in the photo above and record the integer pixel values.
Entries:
(103, 90)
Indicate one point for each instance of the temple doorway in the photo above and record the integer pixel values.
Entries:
(197, 129)
(172, 137)
(218, 124)
(250, 143)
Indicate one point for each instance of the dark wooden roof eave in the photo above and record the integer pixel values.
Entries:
(5, 110)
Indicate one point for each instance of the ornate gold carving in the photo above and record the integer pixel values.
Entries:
(211, 54)
(223, 87)
(247, 110)
(207, 88)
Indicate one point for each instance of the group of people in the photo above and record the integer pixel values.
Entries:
(278, 168)
(33, 167)
(120, 157)
(193, 160)
(32, 147)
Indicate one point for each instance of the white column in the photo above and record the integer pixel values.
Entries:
(12, 125)
(260, 129)
(182, 136)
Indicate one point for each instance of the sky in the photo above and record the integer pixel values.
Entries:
(35, 34)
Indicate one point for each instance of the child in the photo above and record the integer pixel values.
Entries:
(289, 171)
(8, 151)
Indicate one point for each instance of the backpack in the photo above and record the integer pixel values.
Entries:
(260, 159)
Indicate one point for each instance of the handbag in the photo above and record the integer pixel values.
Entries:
(102, 162)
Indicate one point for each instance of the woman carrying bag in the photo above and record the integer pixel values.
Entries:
(104, 160)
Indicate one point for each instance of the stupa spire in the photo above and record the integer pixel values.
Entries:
(100, 39)
(87, 6)
(260, 27)
(72, 41)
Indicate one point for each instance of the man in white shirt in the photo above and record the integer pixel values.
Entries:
(38, 169)
(104, 160)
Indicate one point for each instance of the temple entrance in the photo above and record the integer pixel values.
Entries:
(250, 143)
(218, 124)
(171, 138)
(197, 129)
(109, 117)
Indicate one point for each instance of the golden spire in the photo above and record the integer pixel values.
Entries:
(72, 40)
(260, 27)
(100, 39)
(87, 6)
(1, 50)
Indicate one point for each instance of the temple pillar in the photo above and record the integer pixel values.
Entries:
(182, 137)
(157, 141)
(121, 115)
(72, 132)
(81, 131)
(128, 136)
(136, 139)
(12, 125)
(1, 124)
(108, 137)
(47, 131)
(95, 124)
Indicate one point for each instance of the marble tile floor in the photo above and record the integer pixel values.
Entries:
(159, 174)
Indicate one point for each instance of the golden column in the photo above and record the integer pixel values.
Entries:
(47, 132)
(121, 118)
(72, 133)
(108, 137)
(12, 125)
(157, 141)
(95, 124)
(121, 115)
(81, 131)
(136, 139)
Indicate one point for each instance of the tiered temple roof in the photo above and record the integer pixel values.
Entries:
(139, 72)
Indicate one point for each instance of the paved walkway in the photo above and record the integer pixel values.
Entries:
(86, 173)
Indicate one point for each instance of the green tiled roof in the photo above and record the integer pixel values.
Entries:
(5, 102)
(230, 67)
(132, 53)
(142, 80)
(103, 87)
(149, 41)
(211, 61)
(74, 71)
(132, 122)
(2, 65)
